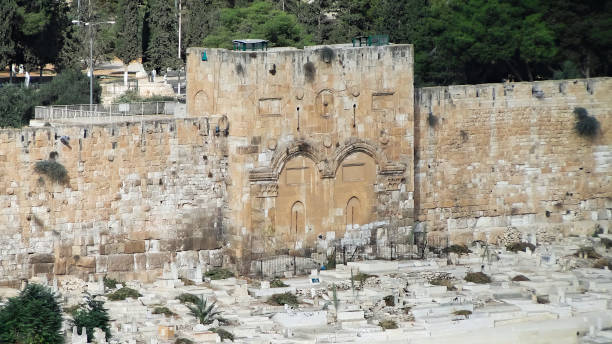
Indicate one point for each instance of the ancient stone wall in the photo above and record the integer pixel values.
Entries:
(494, 156)
(320, 140)
(139, 195)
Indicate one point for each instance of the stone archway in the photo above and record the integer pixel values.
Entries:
(298, 221)
(201, 104)
(353, 213)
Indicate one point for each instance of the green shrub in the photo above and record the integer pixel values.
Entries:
(204, 312)
(218, 273)
(520, 278)
(223, 333)
(443, 282)
(123, 293)
(187, 298)
(389, 300)
(183, 341)
(16, 106)
(520, 246)
(458, 249)
(477, 277)
(331, 262)
(69, 87)
(34, 316)
(464, 312)
(132, 96)
(91, 315)
(163, 310)
(277, 283)
(362, 277)
(387, 324)
(52, 169)
(589, 252)
(111, 283)
(284, 299)
(586, 125)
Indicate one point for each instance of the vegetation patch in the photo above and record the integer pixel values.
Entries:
(283, 299)
(458, 249)
(277, 283)
(163, 310)
(520, 278)
(520, 246)
(542, 299)
(204, 312)
(586, 125)
(606, 242)
(601, 263)
(187, 298)
(92, 315)
(478, 277)
(132, 96)
(34, 316)
(52, 169)
(362, 277)
(587, 252)
(218, 273)
(331, 262)
(224, 334)
(443, 282)
(111, 283)
(183, 341)
(389, 300)
(463, 312)
(387, 324)
(123, 293)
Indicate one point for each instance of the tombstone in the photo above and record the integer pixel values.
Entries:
(165, 79)
(99, 336)
(265, 285)
(27, 79)
(20, 69)
(78, 339)
(153, 75)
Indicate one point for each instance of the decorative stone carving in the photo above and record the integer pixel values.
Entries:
(393, 182)
(272, 144)
(354, 90)
(267, 190)
(299, 93)
(327, 141)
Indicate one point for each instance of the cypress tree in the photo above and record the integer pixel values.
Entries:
(128, 43)
(162, 41)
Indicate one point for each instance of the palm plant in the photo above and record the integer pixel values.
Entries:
(205, 313)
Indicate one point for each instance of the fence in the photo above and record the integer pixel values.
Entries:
(294, 262)
(57, 112)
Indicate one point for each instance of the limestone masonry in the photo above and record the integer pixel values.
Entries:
(295, 150)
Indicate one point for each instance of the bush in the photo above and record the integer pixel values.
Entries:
(223, 333)
(477, 277)
(458, 249)
(123, 293)
(387, 324)
(443, 282)
(205, 313)
(52, 169)
(111, 283)
(520, 246)
(132, 96)
(187, 298)
(284, 299)
(331, 262)
(389, 300)
(183, 341)
(362, 277)
(163, 310)
(464, 312)
(542, 299)
(218, 273)
(69, 87)
(586, 125)
(589, 252)
(16, 106)
(277, 283)
(34, 316)
(520, 278)
(91, 315)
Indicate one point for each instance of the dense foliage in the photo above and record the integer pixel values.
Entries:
(32, 317)
(456, 41)
(16, 106)
(92, 315)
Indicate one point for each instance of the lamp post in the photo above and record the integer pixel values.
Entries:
(91, 67)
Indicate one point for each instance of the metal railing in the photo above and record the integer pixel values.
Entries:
(58, 112)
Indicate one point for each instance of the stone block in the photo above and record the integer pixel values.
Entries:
(86, 262)
(41, 258)
(42, 268)
(157, 260)
(135, 246)
(120, 262)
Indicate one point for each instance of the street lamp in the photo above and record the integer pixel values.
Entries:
(91, 67)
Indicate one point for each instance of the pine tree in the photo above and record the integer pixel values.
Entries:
(128, 44)
(7, 44)
(161, 36)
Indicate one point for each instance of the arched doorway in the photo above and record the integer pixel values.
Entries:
(353, 213)
(201, 104)
(298, 221)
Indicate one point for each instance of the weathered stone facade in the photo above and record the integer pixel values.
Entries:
(285, 149)
(139, 195)
(507, 155)
(320, 140)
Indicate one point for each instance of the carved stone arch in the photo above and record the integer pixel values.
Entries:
(325, 103)
(201, 104)
(293, 149)
(366, 147)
